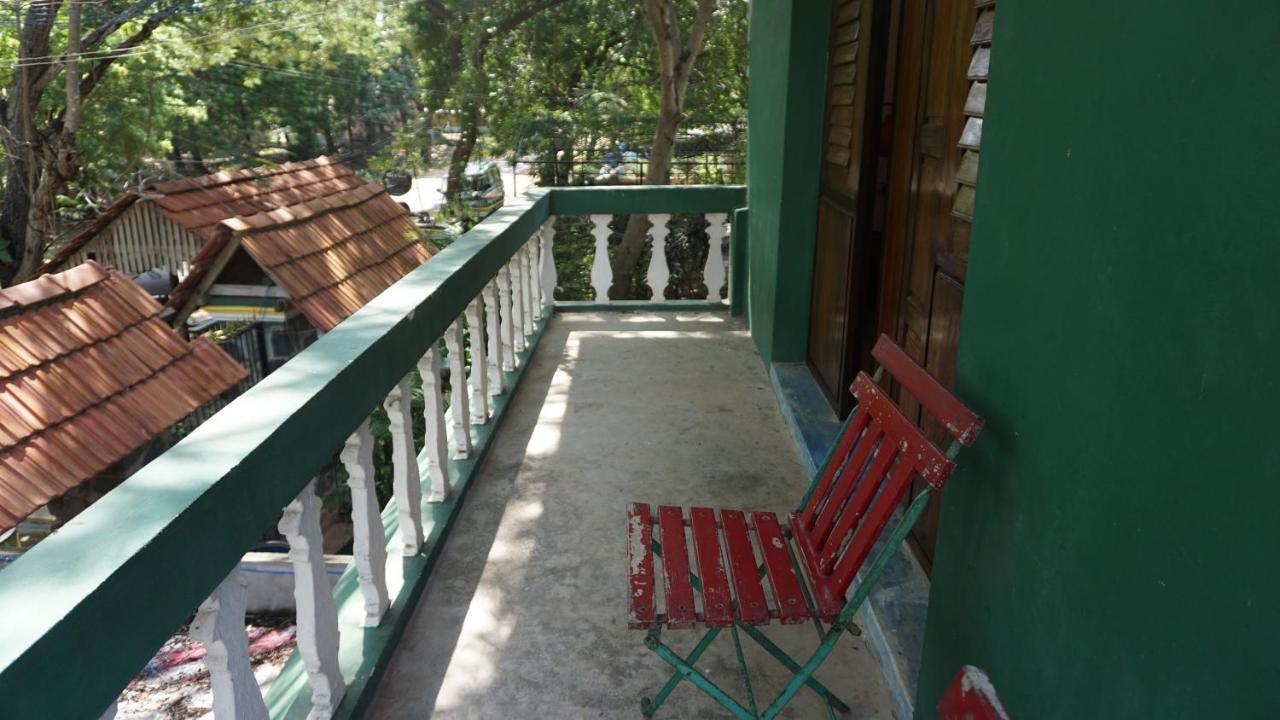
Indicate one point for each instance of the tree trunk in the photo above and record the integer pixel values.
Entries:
(469, 119)
(42, 160)
(676, 57)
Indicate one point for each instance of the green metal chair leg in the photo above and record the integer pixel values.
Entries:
(697, 678)
(802, 676)
(649, 707)
(781, 656)
(742, 666)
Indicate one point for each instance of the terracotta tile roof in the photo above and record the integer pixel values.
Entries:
(330, 255)
(199, 204)
(88, 374)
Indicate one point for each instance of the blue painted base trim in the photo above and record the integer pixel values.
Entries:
(893, 617)
(364, 653)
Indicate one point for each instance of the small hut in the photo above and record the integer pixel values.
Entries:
(89, 377)
(165, 225)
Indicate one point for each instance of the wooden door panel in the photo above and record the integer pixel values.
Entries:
(829, 311)
(930, 199)
(845, 253)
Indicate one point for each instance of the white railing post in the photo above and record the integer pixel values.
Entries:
(219, 624)
(534, 248)
(369, 545)
(437, 442)
(713, 273)
(505, 317)
(492, 316)
(601, 270)
(478, 378)
(316, 613)
(517, 305)
(458, 400)
(405, 481)
(549, 278)
(658, 272)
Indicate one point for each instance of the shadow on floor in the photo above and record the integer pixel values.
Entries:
(525, 615)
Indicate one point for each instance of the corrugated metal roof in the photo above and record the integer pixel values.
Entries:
(199, 204)
(88, 374)
(331, 255)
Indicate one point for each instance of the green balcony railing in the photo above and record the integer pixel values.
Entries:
(82, 612)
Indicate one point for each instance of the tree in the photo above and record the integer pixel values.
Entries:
(676, 56)
(39, 128)
(456, 41)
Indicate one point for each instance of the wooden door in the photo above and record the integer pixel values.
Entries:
(930, 195)
(847, 259)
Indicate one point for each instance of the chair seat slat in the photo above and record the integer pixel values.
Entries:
(681, 613)
(717, 604)
(641, 612)
(777, 563)
(752, 608)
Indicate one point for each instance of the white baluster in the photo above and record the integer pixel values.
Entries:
(530, 265)
(405, 481)
(497, 363)
(548, 261)
(658, 272)
(458, 401)
(517, 304)
(534, 247)
(369, 543)
(601, 271)
(478, 379)
(508, 330)
(713, 273)
(317, 615)
(219, 624)
(433, 413)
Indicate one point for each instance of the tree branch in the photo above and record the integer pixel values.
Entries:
(99, 69)
(435, 7)
(516, 19)
(700, 22)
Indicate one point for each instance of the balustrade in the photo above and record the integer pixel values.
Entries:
(485, 299)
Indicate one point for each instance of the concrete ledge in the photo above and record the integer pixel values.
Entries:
(894, 615)
(364, 653)
(644, 305)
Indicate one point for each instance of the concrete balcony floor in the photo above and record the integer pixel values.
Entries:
(525, 615)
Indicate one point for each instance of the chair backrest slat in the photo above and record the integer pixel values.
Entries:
(850, 471)
(878, 456)
(868, 491)
(873, 524)
(963, 424)
(839, 456)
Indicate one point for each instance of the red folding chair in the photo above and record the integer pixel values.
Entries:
(971, 696)
(811, 561)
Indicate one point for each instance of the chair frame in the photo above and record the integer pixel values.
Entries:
(964, 427)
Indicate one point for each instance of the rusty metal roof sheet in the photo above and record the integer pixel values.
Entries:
(199, 204)
(331, 255)
(88, 374)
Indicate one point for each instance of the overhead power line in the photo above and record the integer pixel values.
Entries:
(282, 24)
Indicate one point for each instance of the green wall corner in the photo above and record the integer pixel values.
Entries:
(784, 144)
(1108, 548)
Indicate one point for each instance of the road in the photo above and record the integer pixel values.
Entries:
(425, 193)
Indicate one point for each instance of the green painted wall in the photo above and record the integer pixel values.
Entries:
(788, 86)
(1109, 549)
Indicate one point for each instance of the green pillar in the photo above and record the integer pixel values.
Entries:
(788, 87)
